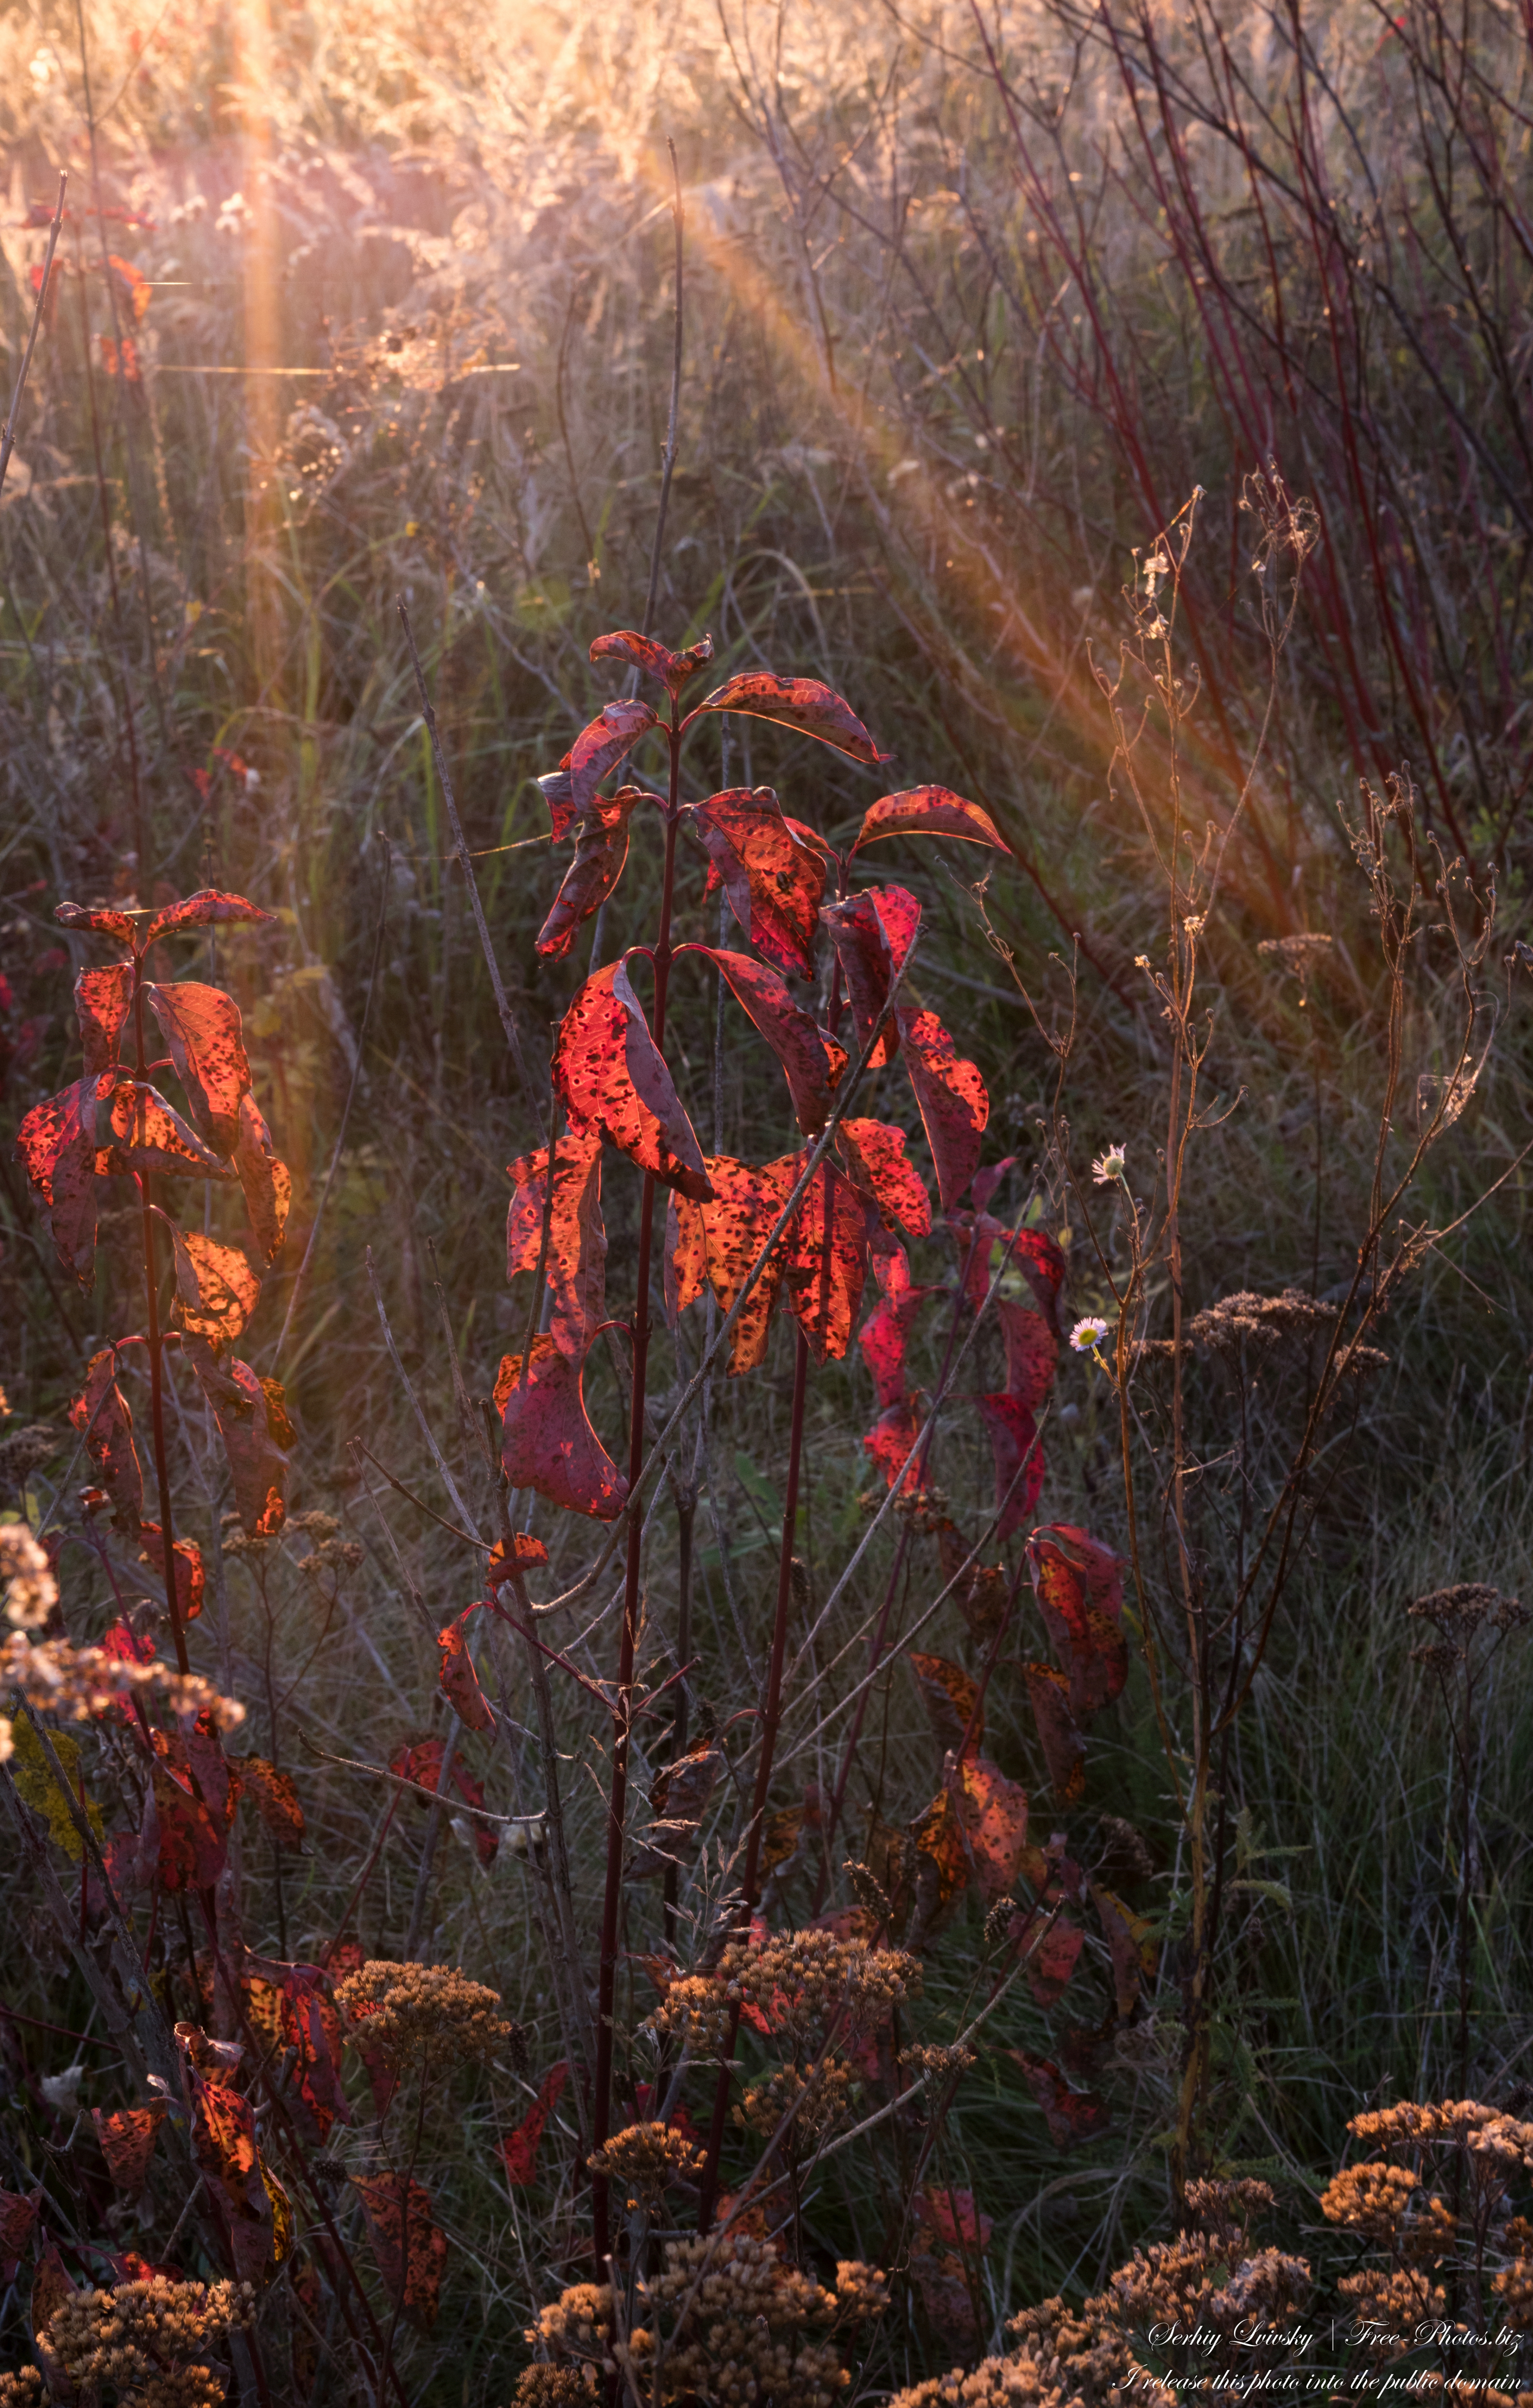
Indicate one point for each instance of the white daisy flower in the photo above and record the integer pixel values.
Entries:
(1109, 1165)
(1088, 1334)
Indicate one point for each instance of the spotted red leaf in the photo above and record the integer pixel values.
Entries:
(884, 1334)
(575, 1269)
(189, 1840)
(101, 1411)
(136, 1129)
(1080, 1588)
(801, 703)
(266, 1182)
(824, 1258)
(217, 1288)
(309, 2025)
(1032, 1353)
(872, 932)
(243, 1414)
(206, 908)
(1072, 2116)
(601, 850)
(548, 1443)
(951, 1698)
(224, 2143)
(875, 1155)
(18, 2214)
(686, 1270)
(273, 1794)
(459, 1680)
(1130, 1944)
(1052, 1949)
(952, 1096)
(127, 2142)
(774, 879)
(995, 1816)
(102, 1002)
(608, 739)
(518, 2149)
(527, 1552)
(929, 811)
(811, 1060)
(190, 1579)
(408, 2244)
(57, 1145)
(1019, 1460)
(1063, 1749)
(609, 1072)
(737, 1221)
(106, 922)
(893, 1437)
(673, 669)
(204, 1036)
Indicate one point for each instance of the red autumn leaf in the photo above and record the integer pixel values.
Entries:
(101, 1411)
(410, 2246)
(304, 2016)
(994, 1817)
(775, 881)
(953, 2216)
(206, 908)
(190, 1579)
(217, 1288)
(136, 1129)
(18, 2214)
(57, 1144)
(189, 1838)
(1080, 1588)
(811, 1060)
(942, 1866)
(1043, 1267)
(953, 1703)
(685, 1267)
(929, 811)
(737, 1221)
(1072, 2116)
(575, 1271)
(609, 1072)
(136, 286)
(1055, 1947)
(824, 1258)
(102, 1001)
(518, 2149)
(279, 1427)
(673, 669)
(1032, 1353)
(951, 1098)
(266, 1182)
(893, 1437)
(886, 1331)
(1019, 1460)
(274, 1796)
(801, 703)
(601, 850)
(549, 1443)
(608, 739)
(127, 2144)
(1063, 1750)
(100, 917)
(985, 1182)
(875, 1155)
(527, 1552)
(459, 1680)
(224, 2143)
(204, 1036)
(872, 932)
(244, 1415)
(1130, 1944)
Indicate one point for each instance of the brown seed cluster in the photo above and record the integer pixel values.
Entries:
(1190, 2281)
(820, 2097)
(1468, 1606)
(417, 2012)
(1229, 2209)
(1081, 2355)
(1246, 1319)
(800, 1980)
(641, 2161)
(21, 2389)
(77, 1682)
(695, 2012)
(150, 2340)
(727, 2321)
(936, 2063)
(1391, 2303)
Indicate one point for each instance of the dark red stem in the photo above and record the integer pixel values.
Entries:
(152, 1310)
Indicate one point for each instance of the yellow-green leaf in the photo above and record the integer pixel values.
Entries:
(36, 1778)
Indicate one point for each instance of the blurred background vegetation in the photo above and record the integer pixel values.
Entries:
(358, 301)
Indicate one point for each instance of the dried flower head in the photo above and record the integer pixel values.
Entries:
(1469, 1606)
(695, 2012)
(22, 1450)
(1390, 2302)
(1229, 2209)
(800, 1980)
(1109, 1165)
(150, 2340)
(1300, 956)
(557, 2386)
(819, 2097)
(418, 2012)
(31, 1590)
(1246, 1319)
(1374, 2198)
(738, 2324)
(21, 2389)
(938, 2064)
(642, 2160)
(576, 2325)
(79, 1683)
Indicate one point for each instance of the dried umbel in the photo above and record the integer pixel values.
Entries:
(577, 2326)
(31, 1590)
(1082, 2355)
(1387, 2304)
(732, 2322)
(1246, 1319)
(21, 2389)
(1190, 2281)
(801, 1980)
(695, 2012)
(1229, 2209)
(818, 2098)
(150, 2340)
(1467, 1607)
(936, 2063)
(76, 1683)
(415, 2012)
(641, 2161)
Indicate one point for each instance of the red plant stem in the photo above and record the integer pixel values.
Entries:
(152, 1310)
(623, 1714)
(771, 1716)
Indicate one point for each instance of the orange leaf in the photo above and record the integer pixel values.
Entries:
(101, 1411)
(825, 1263)
(1080, 1588)
(608, 1071)
(995, 1816)
(217, 1288)
(601, 850)
(929, 811)
(812, 1061)
(673, 669)
(102, 1001)
(267, 1183)
(459, 1680)
(136, 1130)
(872, 932)
(275, 1796)
(953, 1703)
(57, 1145)
(191, 1580)
(518, 2149)
(875, 1155)
(202, 1030)
(410, 2246)
(951, 1098)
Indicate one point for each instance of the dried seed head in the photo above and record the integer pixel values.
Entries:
(413, 2012)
